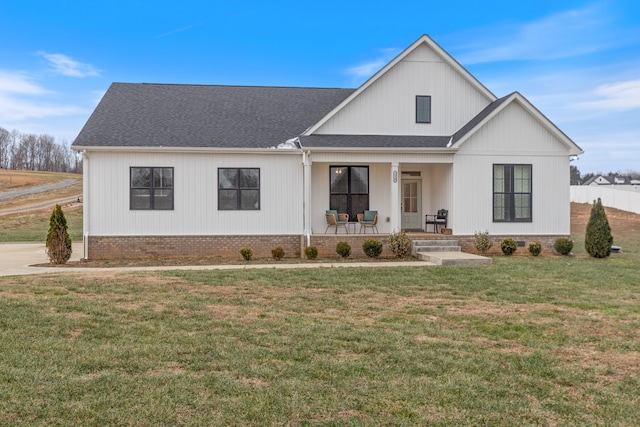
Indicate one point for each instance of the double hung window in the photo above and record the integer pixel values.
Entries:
(511, 193)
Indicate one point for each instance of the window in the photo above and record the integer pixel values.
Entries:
(151, 189)
(238, 189)
(512, 193)
(423, 109)
(349, 188)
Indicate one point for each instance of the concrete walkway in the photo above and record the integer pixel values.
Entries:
(16, 259)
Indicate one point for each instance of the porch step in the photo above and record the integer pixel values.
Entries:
(434, 246)
(445, 252)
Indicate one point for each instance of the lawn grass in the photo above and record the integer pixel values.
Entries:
(526, 341)
(33, 226)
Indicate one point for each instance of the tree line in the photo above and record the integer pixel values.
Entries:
(27, 151)
(577, 178)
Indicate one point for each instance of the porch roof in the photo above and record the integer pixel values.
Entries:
(373, 141)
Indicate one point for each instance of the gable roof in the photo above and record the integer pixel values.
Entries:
(160, 115)
(424, 39)
(493, 109)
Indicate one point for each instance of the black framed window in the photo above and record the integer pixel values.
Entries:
(423, 109)
(151, 188)
(238, 189)
(512, 193)
(349, 189)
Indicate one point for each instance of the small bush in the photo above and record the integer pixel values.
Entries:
(598, 238)
(59, 247)
(343, 249)
(400, 244)
(508, 246)
(277, 253)
(372, 248)
(311, 252)
(482, 241)
(535, 248)
(246, 253)
(563, 245)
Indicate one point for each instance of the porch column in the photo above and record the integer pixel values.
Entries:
(395, 199)
(306, 208)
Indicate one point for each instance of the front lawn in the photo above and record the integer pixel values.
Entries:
(526, 341)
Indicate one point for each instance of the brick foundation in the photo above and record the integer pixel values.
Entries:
(228, 247)
(121, 247)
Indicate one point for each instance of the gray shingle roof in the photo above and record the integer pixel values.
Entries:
(158, 115)
(373, 141)
(478, 118)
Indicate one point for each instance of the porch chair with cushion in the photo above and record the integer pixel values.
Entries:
(334, 219)
(439, 219)
(368, 219)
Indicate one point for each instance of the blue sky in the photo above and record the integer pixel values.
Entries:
(577, 61)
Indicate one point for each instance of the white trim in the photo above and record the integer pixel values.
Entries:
(111, 149)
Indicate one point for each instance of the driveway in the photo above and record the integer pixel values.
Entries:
(15, 258)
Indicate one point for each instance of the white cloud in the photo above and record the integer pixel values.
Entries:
(369, 68)
(620, 96)
(64, 65)
(22, 99)
(15, 82)
(562, 35)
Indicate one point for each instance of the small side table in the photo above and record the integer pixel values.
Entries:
(349, 224)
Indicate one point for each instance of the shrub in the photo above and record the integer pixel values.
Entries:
(400, 244)
(563, 245)
(277, 253)
(598, 239)
(372, 248)
(343, 249)
(311, 252)
(58, 241)
(246, 253)
(535, 248)
(508, 246)
(482, 241)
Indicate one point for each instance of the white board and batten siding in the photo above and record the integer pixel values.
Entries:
(388, 106)
(512, 137)
(195, 195)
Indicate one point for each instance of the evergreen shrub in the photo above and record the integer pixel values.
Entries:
(311, 252)
(372, 248)
(508, 246)
(563, 245)
(598, 239)
(58, 241)
(343, 249)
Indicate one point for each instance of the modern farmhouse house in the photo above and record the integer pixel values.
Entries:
(172, 170)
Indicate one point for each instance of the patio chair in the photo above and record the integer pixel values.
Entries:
(334, 219)
(368, 219)
(439, 219)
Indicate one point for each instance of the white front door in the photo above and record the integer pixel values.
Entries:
(411, 204)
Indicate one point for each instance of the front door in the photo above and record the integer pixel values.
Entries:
(411, 204)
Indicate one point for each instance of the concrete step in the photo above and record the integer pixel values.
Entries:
(434, 246)
(453, 258)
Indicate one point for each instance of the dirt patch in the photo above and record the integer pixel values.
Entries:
(622, 223)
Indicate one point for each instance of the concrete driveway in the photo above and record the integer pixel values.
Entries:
(15, 258)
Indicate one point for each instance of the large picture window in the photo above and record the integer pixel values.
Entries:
(512, 193)
(238, 189)
(423, 109)
(151, 188)
(349, 188)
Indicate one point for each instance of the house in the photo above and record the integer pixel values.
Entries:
(174, 170)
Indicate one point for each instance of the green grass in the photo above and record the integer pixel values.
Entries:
(33, 226)
(526, 341)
